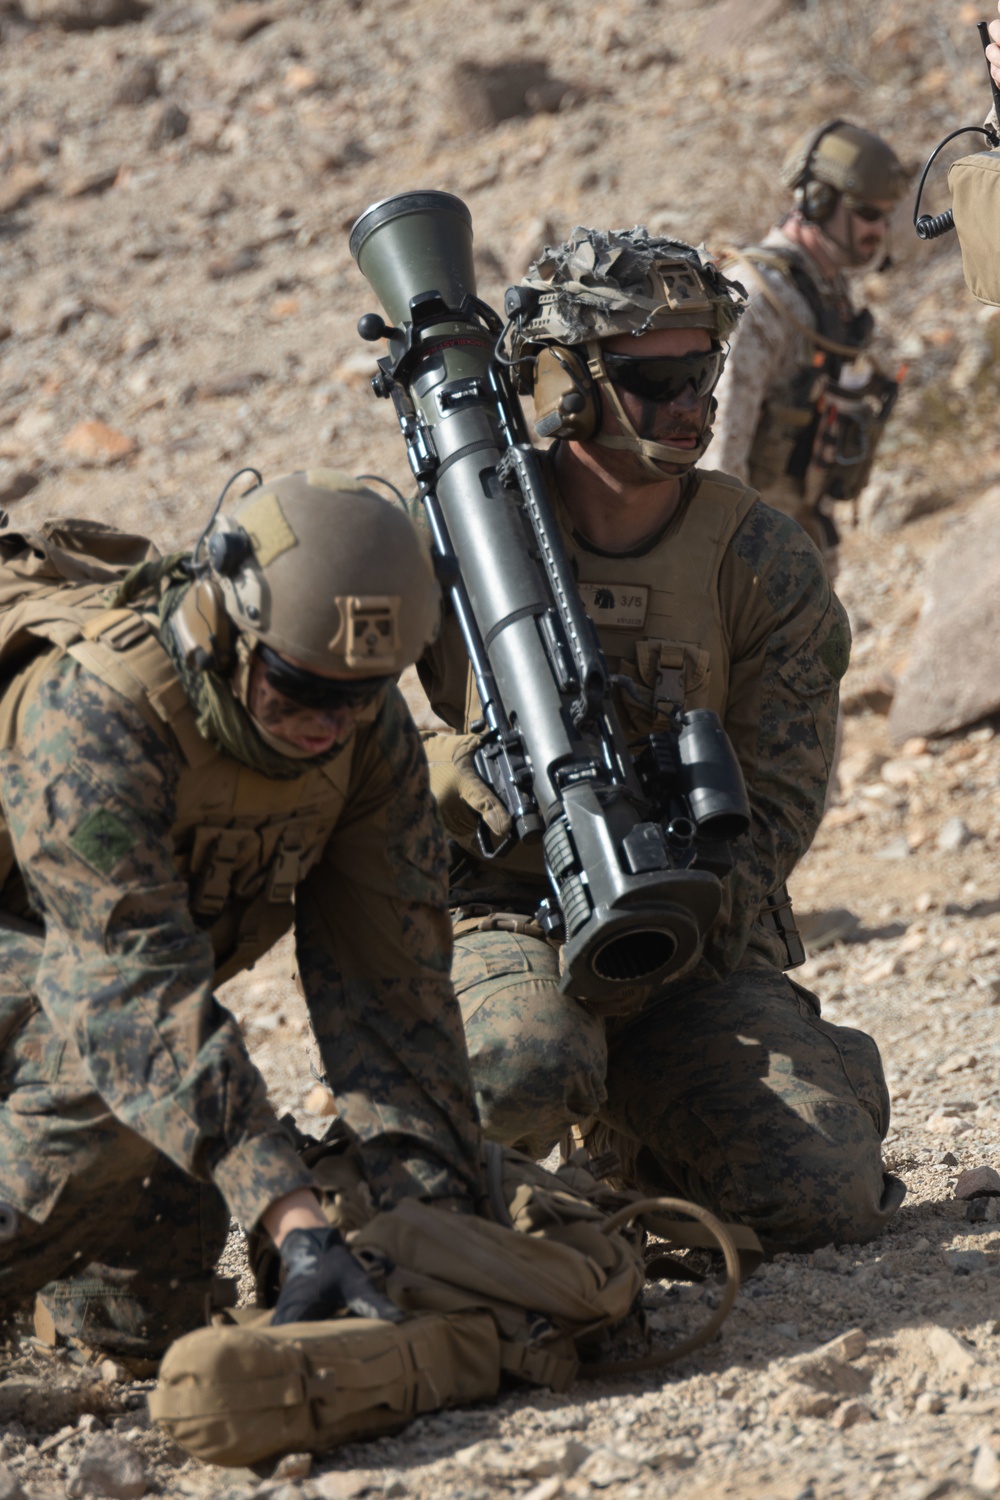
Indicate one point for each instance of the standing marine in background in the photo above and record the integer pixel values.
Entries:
(801, 404)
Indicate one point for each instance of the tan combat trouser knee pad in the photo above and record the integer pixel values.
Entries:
(538, 1057)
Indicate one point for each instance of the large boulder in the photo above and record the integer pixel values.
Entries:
(952, 675)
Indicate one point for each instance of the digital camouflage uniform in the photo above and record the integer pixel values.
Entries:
(723, 1085)
(140, 866)
(763, 388)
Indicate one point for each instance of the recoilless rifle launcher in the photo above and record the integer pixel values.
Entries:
(634, 848)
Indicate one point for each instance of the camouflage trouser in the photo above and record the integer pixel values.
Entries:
(85, 1199)
(734, 1094)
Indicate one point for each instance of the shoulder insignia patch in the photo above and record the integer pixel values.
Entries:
(102, 839)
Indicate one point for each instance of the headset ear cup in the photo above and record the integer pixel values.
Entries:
(565, 395)
(203, 629)
(819, 201)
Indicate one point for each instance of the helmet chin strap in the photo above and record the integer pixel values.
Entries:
(651, 455)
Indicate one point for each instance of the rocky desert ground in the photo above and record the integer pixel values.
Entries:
(177, 180)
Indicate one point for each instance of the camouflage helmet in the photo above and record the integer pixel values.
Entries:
(602, 283)
(599, 285)
(325, 571)
(848, 159)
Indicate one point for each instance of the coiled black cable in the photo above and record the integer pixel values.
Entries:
(932, 226)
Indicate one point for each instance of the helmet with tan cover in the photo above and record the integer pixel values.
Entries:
(599, 285)
(326, 572)
(842, 159)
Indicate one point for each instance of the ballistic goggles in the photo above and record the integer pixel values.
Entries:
(664, 378)
(867, 211)
(309, 690)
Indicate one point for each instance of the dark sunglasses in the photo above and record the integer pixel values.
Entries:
(867, 211)
(664, 379)
(309, 690)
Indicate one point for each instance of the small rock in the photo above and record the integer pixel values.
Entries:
(240, 22)
(19, 186)
(238, 384)
(983, 1210)
(320, 1101)
(930, 1403)
(292, 1466)
(547, 1490)
(985, 1475)
(953, 836)
(950, 1352)
(949, 1159)
(82, 15)
(906, 771)
(947, 1125)
(300, 79)
(885, 970)
(825, 1369)
(108, 1468)
(169, 124)
(897, 848)
(343, 1486)
(605, 1468)
(825, 1258)
(872, 695)
(671, 1456)
(965, 1262)
(224, 266)
(90, 184)
(801, 1402)
(562, 1456)
(957, 1063)
(852, 1414)
(483, 95)
(977, 1182)
(10, 1486)
(849, 1345)
(15, 482)
(141, 82)
(68, 312)
(95, 444)
(394, 1488)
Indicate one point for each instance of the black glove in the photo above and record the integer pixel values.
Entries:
(322, 1277)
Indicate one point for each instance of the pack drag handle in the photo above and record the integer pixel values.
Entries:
(723, 1239)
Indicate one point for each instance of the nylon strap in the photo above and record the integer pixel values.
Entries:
(776, 262)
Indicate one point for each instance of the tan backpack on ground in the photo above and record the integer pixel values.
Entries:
(523, 1298)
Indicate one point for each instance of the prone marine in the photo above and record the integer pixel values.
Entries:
(197, 754)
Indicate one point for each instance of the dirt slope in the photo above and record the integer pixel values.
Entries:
(178, 299)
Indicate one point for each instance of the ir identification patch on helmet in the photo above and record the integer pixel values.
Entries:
(622, 606)
(102, 839)
(369, 632)
(265, 523)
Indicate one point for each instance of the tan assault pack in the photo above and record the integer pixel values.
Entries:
(523, 1294)
(52, 581)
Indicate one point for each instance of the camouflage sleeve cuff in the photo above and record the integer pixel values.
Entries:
(258, 1172)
